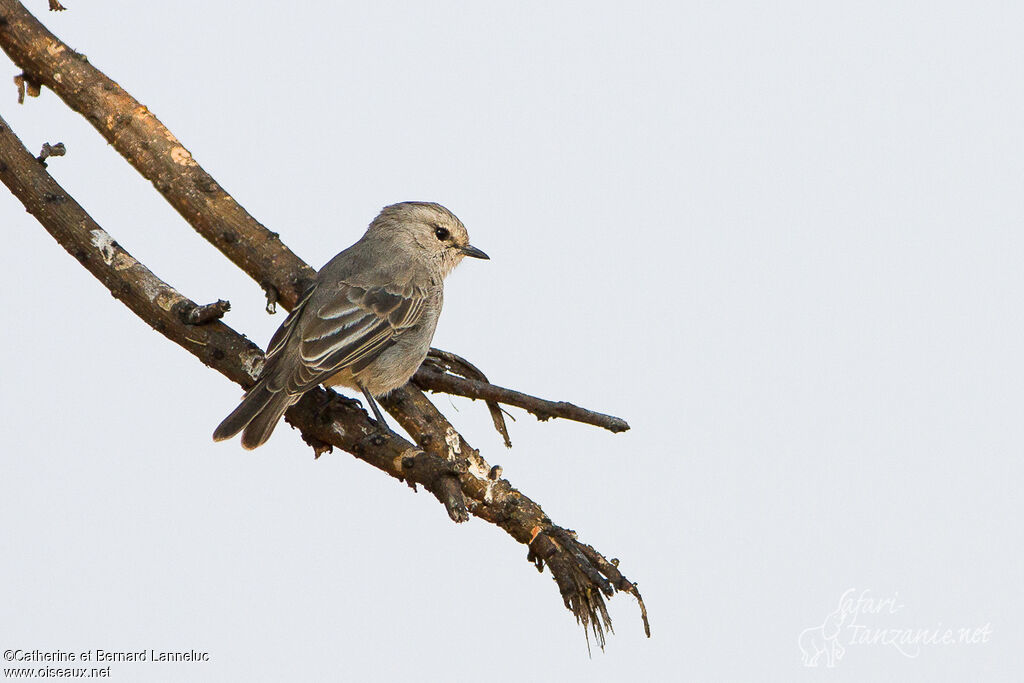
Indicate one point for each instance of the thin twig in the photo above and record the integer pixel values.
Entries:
(447, 361)
(432, 380)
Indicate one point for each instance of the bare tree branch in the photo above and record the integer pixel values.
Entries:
(447, 362)
(447, 466)
(158, 155)
(431, 380)
(152, 149)
(149, 297)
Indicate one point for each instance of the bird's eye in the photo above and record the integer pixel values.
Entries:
(442, 233)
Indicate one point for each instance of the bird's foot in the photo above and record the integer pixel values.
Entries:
(328, 399)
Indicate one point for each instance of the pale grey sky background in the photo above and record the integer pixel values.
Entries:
(784, 242)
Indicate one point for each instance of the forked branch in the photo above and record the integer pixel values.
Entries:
(441, 460)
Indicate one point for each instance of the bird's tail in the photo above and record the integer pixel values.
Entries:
(256, 416)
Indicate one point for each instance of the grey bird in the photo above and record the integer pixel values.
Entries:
(367, 321)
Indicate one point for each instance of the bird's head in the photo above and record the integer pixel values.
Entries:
(431, 229)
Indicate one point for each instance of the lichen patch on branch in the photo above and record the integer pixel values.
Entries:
(155, 290)
(451, 437)
(102, 240)
(252, 361)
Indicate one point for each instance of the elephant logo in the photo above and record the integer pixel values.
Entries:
(823, 640)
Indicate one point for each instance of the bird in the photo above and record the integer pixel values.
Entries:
(366, 322)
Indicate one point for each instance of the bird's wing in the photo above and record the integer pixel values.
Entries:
(348, 330)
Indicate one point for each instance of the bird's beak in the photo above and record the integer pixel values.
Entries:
(470, 250)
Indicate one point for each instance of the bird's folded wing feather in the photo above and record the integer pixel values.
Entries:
(350, 330)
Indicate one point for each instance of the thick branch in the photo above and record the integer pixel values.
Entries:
(154, 152)
(156, 302)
